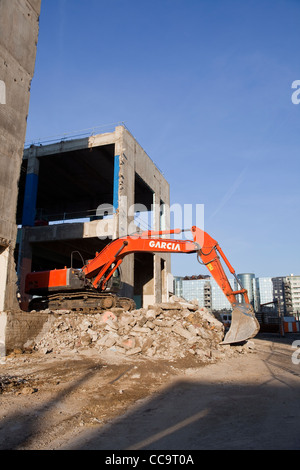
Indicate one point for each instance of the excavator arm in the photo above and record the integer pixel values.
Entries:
(99, 270)
(244, 324)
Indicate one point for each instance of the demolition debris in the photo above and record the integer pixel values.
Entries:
(171, 331)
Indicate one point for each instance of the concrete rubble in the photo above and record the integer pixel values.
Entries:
(172, 330)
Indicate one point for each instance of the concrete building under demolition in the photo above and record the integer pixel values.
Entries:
(78, 194)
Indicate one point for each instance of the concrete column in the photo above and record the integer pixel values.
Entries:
(116, 183)
(157, 257)
(164, 282)
(124, 151)
(28, 219)
(31, 188)
(25, 263)
(3, 321)
(4, 255)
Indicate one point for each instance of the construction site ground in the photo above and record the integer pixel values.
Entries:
(111, 402)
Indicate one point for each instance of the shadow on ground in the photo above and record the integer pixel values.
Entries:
(260, 413)
(18, 429)
(215, 410)
(193, 416)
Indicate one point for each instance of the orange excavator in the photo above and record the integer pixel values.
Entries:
(94, 287)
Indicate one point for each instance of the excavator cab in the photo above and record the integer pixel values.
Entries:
(114, 284)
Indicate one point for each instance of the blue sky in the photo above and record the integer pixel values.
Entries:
(205, 87)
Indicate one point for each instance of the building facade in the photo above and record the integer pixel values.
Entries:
(269, 294)
(263, 294)
(292, 294)
(78, 194)
(247, 280)
(206, 291)
(276, 295)
(194, 287)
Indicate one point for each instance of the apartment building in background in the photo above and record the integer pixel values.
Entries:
(292, 294)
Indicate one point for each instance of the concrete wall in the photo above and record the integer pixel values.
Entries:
(18, 39)
(17, 330)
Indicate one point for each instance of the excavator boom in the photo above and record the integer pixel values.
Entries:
(244, 324)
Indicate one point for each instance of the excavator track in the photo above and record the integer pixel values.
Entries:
(82, 302)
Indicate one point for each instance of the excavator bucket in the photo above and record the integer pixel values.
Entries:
(244, 325)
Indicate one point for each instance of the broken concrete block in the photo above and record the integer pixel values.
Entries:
(189, 306)
(118, 349)
(47, 350)
(108, 315)
(175, 298)
(204, 333)
(203, 354)
(110, 341)
(192, 330)
(150, 325)
(93, 334)
(151, 352)
(128, 343)
(124, 320)
(133, 351)
(182, 331)
(142, 330)
(142, 321)
(147, 344)
(85, 325)
(163, 323)
(111, 324)
(206, 316)
(170, 306)
(85, 339)
(249, 345)
(152, 313)
(109, 338)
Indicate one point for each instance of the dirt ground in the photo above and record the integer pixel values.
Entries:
(108, 402)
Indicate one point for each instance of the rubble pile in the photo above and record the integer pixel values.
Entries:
(172, 330)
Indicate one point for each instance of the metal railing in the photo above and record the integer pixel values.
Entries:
(82, 134)
(86, 216)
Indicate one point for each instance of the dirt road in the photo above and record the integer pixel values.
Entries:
(248, 401)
